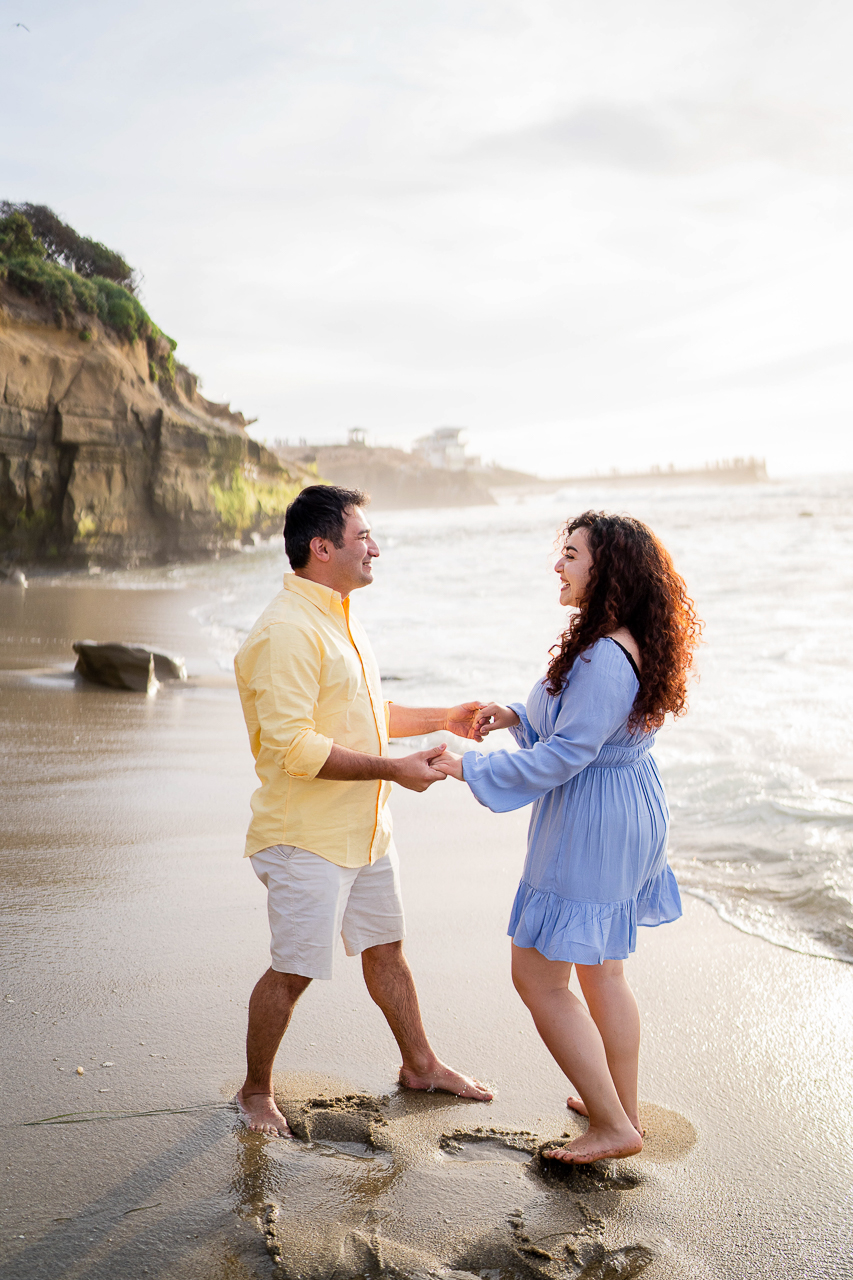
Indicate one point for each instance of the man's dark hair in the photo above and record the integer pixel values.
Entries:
(320, 511)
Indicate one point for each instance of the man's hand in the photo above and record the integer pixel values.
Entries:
(449, 764)
(493, 716)
(415, 772)
(462, 720)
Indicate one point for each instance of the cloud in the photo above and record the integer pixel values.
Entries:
(679, 137)
(530, 217)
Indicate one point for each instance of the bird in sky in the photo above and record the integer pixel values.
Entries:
(22, 24)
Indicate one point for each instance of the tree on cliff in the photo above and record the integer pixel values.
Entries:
(34, 258)
(63, 245)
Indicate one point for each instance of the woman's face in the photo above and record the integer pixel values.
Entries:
(574, 567)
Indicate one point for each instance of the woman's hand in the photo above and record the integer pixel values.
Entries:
(448, 763)
(493, 716)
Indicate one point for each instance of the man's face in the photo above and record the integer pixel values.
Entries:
(352, 564)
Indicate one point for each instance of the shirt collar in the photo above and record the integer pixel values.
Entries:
(325, 598)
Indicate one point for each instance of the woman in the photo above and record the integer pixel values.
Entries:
(596, 863)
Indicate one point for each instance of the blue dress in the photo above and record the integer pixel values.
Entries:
(596, 857)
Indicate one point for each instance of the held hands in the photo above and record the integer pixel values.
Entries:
(449, 764)
(471, 720)
(484, 719)
(416, 772)
(493, 716)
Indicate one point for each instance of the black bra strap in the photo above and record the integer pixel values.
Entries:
(628, 656)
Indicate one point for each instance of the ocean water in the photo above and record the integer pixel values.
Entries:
(759, 773)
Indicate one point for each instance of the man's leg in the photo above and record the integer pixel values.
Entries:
(270, 1008)
(391, 985)
(304, 907)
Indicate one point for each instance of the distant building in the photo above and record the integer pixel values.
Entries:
(357, 436)
(444, 450)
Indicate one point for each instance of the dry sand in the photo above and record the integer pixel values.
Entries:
(132, 933)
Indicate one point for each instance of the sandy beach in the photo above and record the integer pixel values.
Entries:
(133, 931)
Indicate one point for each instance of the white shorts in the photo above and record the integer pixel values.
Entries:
(311, 900)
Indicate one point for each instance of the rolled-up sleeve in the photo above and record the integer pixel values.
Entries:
(285, 680)
(594, 707)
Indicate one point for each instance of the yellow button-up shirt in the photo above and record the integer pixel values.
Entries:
(308, 679)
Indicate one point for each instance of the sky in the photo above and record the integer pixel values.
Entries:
(593, 235)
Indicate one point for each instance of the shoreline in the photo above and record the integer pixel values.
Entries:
(702, 896)
(189, 585)
(133, 933)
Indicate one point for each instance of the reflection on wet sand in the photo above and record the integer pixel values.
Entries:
(131, 933)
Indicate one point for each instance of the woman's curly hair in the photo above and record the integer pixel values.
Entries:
(632, 584)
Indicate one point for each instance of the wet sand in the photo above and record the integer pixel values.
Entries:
(132, 932)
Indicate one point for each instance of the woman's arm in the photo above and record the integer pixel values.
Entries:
(597, 703)
(523, 732)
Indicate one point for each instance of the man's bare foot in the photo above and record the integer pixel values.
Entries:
(577, 1104)
(598, 1144)
(443, 1079)
(259, 1114)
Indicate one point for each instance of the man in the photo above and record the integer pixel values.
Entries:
(320, 835)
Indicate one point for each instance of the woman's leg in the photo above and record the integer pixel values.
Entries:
(614, 1011)
(577, 1047)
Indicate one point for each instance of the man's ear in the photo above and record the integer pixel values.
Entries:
(320, 548)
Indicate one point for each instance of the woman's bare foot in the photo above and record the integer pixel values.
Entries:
(259, 1114)
(443, 1079)
(578, 1104)
(598, 1144)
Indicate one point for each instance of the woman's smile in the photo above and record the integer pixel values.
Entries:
(574, 567)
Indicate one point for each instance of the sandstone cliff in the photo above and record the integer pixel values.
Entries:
(102, 460)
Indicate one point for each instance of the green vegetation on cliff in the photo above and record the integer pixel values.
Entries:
(66, 246)
(73, 274)
(248, 497)
(244, 503)
(99, 463)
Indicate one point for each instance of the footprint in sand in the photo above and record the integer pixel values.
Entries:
(377, 1187)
